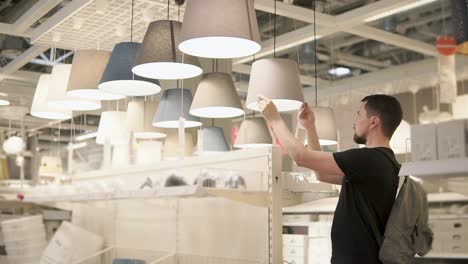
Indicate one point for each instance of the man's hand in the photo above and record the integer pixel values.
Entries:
(306, 117)
(268, 109)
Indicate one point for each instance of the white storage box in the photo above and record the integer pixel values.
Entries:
(424, 142)
(452, 139)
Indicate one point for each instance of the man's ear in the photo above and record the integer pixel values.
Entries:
(375, 121)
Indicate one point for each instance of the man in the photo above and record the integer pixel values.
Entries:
(368, 177)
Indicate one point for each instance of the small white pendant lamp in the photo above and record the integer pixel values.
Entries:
(40, 108)
(111, 128)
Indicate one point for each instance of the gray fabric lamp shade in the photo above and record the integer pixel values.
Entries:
(253, 133)
(139, 119)
(159, 57)
(214, 140)
(118, 77)
(86, 72)
(220, 29)
(216, 97)
(277, 79)
(326, 125)
(172, 102)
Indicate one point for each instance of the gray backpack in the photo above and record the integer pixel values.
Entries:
(407, 232)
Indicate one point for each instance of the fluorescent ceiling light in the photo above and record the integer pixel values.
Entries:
(399, 10)
(86, 136)
(339, 71)
(77, 146)
(4, 102)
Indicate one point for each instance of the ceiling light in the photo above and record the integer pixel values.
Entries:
(174, 104)
(57, 97)
(86, 136)
(139, 120)
(40, 108)
(277, 79)
(253, 133)
(220, 29)
(159, 58)
(86, 72)
(216, 97)
(118, 77)
(401, 8)
(4, 102)
(339, 71)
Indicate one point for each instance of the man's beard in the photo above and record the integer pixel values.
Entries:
(360, 139)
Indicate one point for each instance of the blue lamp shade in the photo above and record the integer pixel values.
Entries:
(118, 77)
(175, 103)
(214, 140)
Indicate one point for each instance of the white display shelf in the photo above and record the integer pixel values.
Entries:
(445, 256)
(446, 197)
(442, 168)
(325, 205)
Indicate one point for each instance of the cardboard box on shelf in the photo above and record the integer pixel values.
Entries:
(424, 142)
(452, 139)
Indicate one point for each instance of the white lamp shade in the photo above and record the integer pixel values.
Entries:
(277, 79)
(139, 120)
(171, 148)
(120, 156)
(399, 142)
(433, 116)
(326, 125)
(175, 103)
(13, 145)
(58, 98)
(159, 57)
(460, 107)
(112, 128)
(40, 108)
(50, 164)
(253, 133)
(220, 29)
(149, 152)
(216, 97)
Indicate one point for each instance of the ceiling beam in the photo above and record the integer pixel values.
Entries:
(38, 10)
(24, 76)
(23, 59)
(7, 29)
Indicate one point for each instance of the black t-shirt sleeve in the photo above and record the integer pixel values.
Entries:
(353, 163)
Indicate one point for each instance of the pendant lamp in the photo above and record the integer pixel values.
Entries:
(175, 103)
(220, 29)
(118, 77)
(111, 128)
(39, 107)
(58, 98)
(326, 125)
(216, 97)
(253, 133)
(139, 120)
(159, 58)
(171, 148)
(213, 140)
(86, 72)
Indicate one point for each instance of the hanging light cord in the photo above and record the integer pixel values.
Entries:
(274, 29)
(168, 4)
(315, 58)
(131, 24)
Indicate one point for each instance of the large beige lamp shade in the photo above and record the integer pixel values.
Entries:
(216, 97)
(39, 107)
(112, 128)
(86, 72)
(220, 29)
(140, 117)
(325, 124)
(58, 98)
(159, 57)
(277, 79)
(253, 133)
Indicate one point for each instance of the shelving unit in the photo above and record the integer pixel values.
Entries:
(445, 256)
(432, 168)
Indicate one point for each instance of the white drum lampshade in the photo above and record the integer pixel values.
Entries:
(40, 108)
(112, 127)
(277, 79)
(86, 72)
(139, 120)
(58, 98)
(220, 29)
(149, 152)
(326, 125)
(253, 133)
(159, 57)
(216, 97)
(175, 103)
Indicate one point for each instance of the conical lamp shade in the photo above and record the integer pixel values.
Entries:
(214, 140)
(111, 127)
(139, 118)
(86, 72)
(159, 57)
(326, 125)
(216, 97)
(58, 98)
(220, 29)
(171, 144)
(277, 79)
(172, 102)
(118, 77)
(253, 133)
(39, 107)
(399, 142)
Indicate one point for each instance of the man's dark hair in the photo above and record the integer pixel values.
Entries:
(387, 108)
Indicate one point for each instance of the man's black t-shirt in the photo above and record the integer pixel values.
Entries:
(367, 194)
